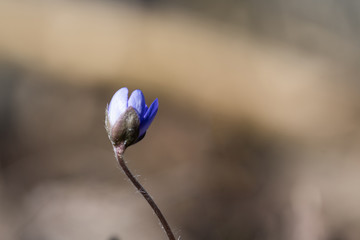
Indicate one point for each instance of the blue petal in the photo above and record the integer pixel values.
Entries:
(153, 108)
(118, 105)
(149, 117)
(137, 101)
(146, 108)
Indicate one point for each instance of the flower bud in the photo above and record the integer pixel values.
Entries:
(127, 120)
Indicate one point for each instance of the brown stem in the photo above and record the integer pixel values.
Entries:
(119, 152)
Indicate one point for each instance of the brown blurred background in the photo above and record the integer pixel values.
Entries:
(257, 135)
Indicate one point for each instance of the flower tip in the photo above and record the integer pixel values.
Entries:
(118, 105)
(137, 101)
(156, 102)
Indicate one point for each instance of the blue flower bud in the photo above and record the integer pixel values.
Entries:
(127, 120)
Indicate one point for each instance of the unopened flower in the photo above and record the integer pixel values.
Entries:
(127, 120)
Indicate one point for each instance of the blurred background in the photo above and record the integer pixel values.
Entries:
(257, 135)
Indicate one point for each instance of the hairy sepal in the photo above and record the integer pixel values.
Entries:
(125, 131)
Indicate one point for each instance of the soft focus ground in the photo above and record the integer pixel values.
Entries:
(257, 134)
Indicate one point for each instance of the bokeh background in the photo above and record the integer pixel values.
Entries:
(257, 135)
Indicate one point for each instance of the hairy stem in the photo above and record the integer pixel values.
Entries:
(119, 153)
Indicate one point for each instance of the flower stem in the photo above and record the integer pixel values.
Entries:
(119, 154)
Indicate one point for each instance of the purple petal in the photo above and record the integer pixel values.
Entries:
(149, 117)
(137, 101)
(118, 105)
(146, 109)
